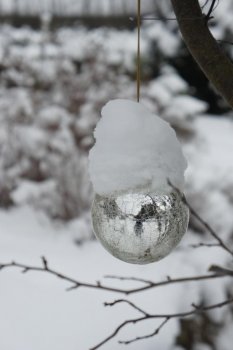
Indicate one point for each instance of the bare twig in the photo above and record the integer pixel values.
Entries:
(225, 42)
(45, 262)
(117, 330)
(168, 281)
(98, 285)
(145, 18)
(166, 317)
(47, 269)
(221, 270)
(208, 245)
(135, 279)
(210, 230)
(203, 6)
(150, 335)
(119, 301)
(209, 16)
(202, 221)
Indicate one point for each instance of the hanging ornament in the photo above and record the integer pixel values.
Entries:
(139, 228)
(137, 215)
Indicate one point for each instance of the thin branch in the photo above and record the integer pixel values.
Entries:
(203, 6)
(135, 279)
(202, 221)
(119, 301)
(221, 270)
(209, 16)
(210, 229)
(44, 262)
(208, 245)
(156, 331)
(166, 18)
(168, 281)
(150, 335)
(78, 284)
(217, 67)
(47, 269)
(225, 42)
(195, 310)
(117, 330)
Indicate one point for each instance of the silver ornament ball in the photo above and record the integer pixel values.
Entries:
(139, 228)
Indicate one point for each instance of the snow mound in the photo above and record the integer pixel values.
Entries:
(135, 150)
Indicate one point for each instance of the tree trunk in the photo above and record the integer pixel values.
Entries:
(204, 48)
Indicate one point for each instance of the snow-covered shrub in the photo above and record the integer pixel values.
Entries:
(52, 90)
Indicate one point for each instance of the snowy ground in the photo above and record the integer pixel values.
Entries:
(52, 88)
(43, 316)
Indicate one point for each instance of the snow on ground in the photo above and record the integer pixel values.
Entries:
(43, 316)
(53, 92)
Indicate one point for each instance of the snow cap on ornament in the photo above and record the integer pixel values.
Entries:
(136, 214)
(134, 150)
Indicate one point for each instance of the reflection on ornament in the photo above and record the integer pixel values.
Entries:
(139, 228)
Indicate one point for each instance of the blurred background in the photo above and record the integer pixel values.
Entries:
(60, 62)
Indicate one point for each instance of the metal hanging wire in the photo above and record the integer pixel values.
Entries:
(138, 78)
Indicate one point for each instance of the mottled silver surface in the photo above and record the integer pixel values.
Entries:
(139, 228)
